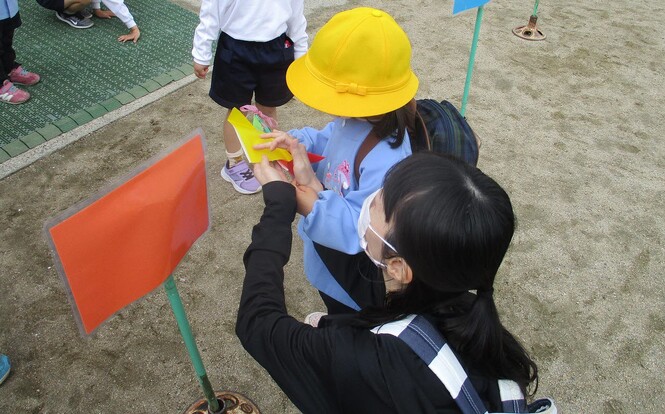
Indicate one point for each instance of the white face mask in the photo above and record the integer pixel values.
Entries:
(364, 225)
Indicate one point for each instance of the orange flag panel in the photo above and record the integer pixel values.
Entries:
(116, 248)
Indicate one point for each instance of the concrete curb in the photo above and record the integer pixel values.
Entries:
(23, 160)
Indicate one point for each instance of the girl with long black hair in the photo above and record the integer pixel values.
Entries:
(437, 232)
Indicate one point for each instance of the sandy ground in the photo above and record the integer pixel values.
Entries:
(570, 127)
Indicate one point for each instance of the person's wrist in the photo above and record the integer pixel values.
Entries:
(280, 193)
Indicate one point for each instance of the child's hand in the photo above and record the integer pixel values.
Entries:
(302, 169)
(133, 35)
(266, 172)
(200, 70)
(103, 14)
(281, 139)
(305, 199)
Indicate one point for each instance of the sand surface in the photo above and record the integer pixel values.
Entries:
(570, 127)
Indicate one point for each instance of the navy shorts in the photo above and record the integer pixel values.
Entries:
(242, 69)
(57, 5)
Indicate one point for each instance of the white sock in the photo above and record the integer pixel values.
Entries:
(234, 157)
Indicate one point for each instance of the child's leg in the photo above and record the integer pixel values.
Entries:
(7, 54)
(232, 86)
(73, 6)
(72, 12)
(8, 92)
(9, 67)
(231, 141)
(272, 90)
(236, 170)
(271, 111)
(64, 6)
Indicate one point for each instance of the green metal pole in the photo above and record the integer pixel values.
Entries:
(472, 57)
(186, 332)
(535, 8)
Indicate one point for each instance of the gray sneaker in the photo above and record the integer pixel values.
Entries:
(85, 13)
(74, 20)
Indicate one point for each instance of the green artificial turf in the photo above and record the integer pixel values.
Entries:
(87, 72)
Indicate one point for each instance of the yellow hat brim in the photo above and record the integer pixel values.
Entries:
(313, 92)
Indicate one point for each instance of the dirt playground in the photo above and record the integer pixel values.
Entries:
(570, 127)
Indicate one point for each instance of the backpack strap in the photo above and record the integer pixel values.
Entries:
(428, 343)
(420, 139)
(415, 128)
(371, 141)
(512, 399)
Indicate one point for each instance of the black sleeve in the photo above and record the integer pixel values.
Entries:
(297, 356)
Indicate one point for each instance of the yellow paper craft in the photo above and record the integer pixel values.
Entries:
(249, 136)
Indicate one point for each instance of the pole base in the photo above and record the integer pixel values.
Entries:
(530, 31)
(234, 402)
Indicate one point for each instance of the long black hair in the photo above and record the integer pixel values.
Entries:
(393, 125)
(453, 224)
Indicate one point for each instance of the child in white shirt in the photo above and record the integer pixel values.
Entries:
(257, 40)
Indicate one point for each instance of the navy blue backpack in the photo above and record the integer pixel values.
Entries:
(437, 127)
(441, 128)
(428, 343)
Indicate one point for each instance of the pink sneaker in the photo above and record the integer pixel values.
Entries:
(21, 76)
(12, 95)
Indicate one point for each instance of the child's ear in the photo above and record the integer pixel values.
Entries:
(399, 270)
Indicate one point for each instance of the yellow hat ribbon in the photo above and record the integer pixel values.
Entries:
(353, 88)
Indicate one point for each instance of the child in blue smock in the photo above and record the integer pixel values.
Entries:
(358, 69)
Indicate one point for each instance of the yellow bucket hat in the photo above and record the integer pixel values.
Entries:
(359, 65)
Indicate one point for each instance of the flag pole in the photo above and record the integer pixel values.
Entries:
(190, 343)
(472, 57)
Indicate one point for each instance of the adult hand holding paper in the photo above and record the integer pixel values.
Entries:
(266, 172)
(300, 166)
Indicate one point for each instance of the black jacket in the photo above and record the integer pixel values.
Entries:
(336, 368)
